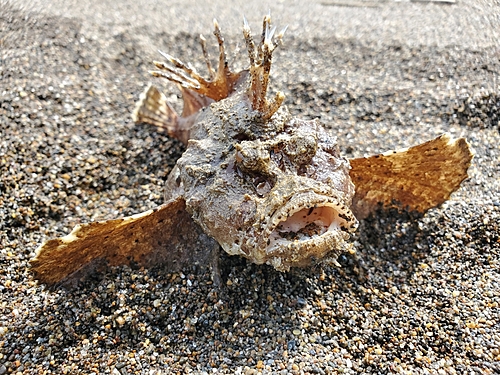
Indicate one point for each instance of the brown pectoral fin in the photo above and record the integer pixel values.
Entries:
(417, 178)
(165, 236)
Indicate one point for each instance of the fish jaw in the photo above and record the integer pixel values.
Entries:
(295, 230)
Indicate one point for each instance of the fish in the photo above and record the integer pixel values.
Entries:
(253, 180)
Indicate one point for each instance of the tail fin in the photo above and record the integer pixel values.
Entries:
(154, 109)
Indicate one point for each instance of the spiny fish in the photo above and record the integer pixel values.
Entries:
(253, 179)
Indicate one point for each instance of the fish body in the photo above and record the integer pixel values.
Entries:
(253, 179)
(280, 196)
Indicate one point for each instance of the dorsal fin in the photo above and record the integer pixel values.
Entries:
(199, 92)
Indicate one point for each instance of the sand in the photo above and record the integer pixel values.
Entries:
(422, 294)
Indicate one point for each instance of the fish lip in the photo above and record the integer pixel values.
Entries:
(307, 200)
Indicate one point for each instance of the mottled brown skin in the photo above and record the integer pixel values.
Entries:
(262, 184)
(240, 191)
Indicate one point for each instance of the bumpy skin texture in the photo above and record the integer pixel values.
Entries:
(263, 185)
(241, 191)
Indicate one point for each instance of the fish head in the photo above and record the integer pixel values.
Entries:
(265, 185)
(275, 190)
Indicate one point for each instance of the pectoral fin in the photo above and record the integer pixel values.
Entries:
(164, 236)
(417, 178)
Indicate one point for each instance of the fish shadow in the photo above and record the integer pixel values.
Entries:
(125, 308)
(390, 244)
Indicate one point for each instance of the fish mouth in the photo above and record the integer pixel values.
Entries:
(308, 226)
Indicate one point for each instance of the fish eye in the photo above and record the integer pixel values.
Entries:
(252, 157)
(262, 185)
(301, 149)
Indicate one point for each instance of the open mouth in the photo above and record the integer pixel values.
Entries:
(311, 220)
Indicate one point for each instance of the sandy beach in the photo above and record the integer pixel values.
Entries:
(422, 293)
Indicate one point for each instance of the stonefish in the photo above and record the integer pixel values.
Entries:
(253, 179)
